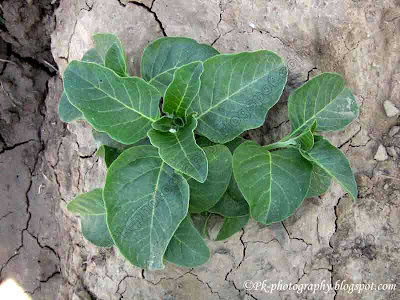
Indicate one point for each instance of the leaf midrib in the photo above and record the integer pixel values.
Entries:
(184, 152)
(331, 173)
(186, 89)
(236, 92)
(107, 94)
(315, 113)
(153, 208)
(192, 249)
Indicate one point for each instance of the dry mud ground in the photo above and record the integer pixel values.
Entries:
(44, 163)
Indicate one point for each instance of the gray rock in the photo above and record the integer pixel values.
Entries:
(381, 154)
(81, 295)
(390, 109)
(392, 151)
(394, 130)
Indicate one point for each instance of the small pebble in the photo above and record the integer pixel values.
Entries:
(392, 152)
(386, 186)
(381, 154)
(390, 109)
(393, 131)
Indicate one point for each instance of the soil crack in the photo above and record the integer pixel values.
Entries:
(295, 238)
(150, 10)
(219, 22)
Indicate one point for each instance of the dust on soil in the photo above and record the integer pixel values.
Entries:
(46, 162)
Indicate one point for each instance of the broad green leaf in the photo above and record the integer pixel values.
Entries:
(200, 222)
(205, 195)
(163, 56)
(273, 183)
(232, 203)
(145, 202)
(236, 92)
(93, 56)
(182, 90)
(109, 154)
(335, 163)
(90, 207)
(320, 182)
(180, 151)
(231, 226)
(90, 203)
(325, 99)
(66, 111)
(187, 248)
(95, 230)
(109, 48)
(122, 107)
(115, 60)
(165, 124)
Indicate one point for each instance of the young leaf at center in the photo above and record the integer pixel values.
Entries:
(180, 151)
(183, 89)
(165, 124)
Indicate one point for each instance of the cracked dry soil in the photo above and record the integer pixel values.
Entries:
(44, 163)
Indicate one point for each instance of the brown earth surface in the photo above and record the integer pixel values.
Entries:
(44, 162)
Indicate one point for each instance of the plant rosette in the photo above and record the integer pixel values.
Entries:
(172, 166)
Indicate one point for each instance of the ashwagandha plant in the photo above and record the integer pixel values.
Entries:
(172, 147)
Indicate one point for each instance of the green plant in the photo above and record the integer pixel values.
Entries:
(169, 170)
